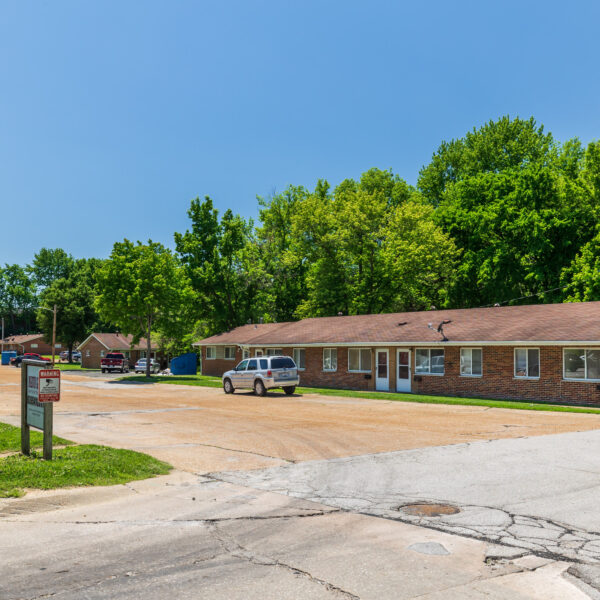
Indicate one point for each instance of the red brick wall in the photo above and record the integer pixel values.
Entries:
(94, 348)
(497, 381)
(43, 347)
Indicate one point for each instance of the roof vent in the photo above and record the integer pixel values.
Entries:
(340, 314)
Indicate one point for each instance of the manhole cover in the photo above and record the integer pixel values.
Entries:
(429, 510)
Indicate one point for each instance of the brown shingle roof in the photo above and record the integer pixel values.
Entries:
(572, 322)
(22, 339)
(118, 341)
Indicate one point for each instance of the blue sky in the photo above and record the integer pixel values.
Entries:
(114, 115)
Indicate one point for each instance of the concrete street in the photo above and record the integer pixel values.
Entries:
(305, 497)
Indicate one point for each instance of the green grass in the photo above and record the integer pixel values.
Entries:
(207, 381)
(10, 439)
(76, 466)
(71, 367)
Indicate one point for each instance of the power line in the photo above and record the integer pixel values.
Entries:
(523, 297)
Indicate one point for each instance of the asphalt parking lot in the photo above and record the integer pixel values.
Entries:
(305, 497)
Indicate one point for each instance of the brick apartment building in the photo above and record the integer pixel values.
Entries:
(96, 346)
(547, 352)
(34, 342)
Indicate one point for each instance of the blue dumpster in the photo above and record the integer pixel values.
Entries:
(186, 364)
(7, 355)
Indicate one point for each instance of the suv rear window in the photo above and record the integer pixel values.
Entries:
(284, 362)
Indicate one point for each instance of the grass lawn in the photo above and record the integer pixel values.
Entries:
(10, 439)
(71, 466)
(71, 367)
(207, 381)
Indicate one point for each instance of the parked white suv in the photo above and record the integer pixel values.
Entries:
(261, 374)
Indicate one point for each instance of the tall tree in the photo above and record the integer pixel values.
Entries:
(140, 288)
(285, 271)
(515, 203)
(74, 297)
(222, 261)
(17, 298)
(49, 265)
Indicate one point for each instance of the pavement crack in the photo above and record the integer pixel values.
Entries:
(287, 460)
(236, 550)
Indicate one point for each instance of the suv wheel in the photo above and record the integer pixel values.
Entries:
(259, 388)
(289, 390)
(228, 386)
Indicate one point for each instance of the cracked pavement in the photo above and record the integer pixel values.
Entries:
(188, 536)
(505, 490)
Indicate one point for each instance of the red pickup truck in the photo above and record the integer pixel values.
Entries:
(115, 361)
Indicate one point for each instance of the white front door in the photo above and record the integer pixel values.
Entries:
(382, 375)
(403, 374)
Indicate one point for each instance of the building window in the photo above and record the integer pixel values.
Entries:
(429, 361)
(471, 362)
(329, 359)
(34, 345)
(246, 353)
(87, 353)
(258, 352)
(527, 363)
(274, 352)
(300, 357)
(58, 345)
(210, 352)
(581, 364)
(101, 353)
(230, 352)
(359, 360)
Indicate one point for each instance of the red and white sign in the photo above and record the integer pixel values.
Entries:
(49, 385)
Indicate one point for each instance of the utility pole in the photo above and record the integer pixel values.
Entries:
(54, 336)
(2, 342)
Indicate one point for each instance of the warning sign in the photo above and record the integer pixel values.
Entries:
(49, 385)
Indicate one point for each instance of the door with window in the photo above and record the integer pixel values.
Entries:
(403, 374)
(382, 375)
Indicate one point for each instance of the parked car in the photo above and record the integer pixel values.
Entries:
(261, 374)
(17, 360)
(75, 355)
(115, 361)
(140, 366)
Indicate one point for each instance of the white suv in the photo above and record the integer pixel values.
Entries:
(263, 373)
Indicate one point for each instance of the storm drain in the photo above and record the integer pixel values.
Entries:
(424, 509)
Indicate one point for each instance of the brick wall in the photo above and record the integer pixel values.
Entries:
(497, 380)
(91, 355)
(38, 346)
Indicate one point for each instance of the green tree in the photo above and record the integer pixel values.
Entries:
(223, 264)
(582, 276)
(49, 265)
(141, 288)
(74, 296)
(283, 269)
(419, 259)
(517, 206)
(17, 298)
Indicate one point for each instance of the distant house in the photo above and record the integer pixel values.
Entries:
(545, 352)
(29, 343)
(97, 345)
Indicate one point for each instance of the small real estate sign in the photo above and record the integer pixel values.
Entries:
(35, 409)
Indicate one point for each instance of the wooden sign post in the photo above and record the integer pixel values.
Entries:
(40, 387)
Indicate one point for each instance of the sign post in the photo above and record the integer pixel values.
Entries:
(40, 387)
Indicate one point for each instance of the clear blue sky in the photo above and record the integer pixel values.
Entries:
(115, 114)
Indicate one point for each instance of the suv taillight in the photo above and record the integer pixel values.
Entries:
(269, 373)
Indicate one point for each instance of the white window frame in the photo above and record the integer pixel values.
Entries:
(245, 353)
(527, 348)
(273, 352)
(429, 373)
(585, 351)
(34, 345)
(225, 353)
(336, 362)
(360, 369)
(58, 345)
(297, 362)
(459, 361)
(214, 352)
(101, 353)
